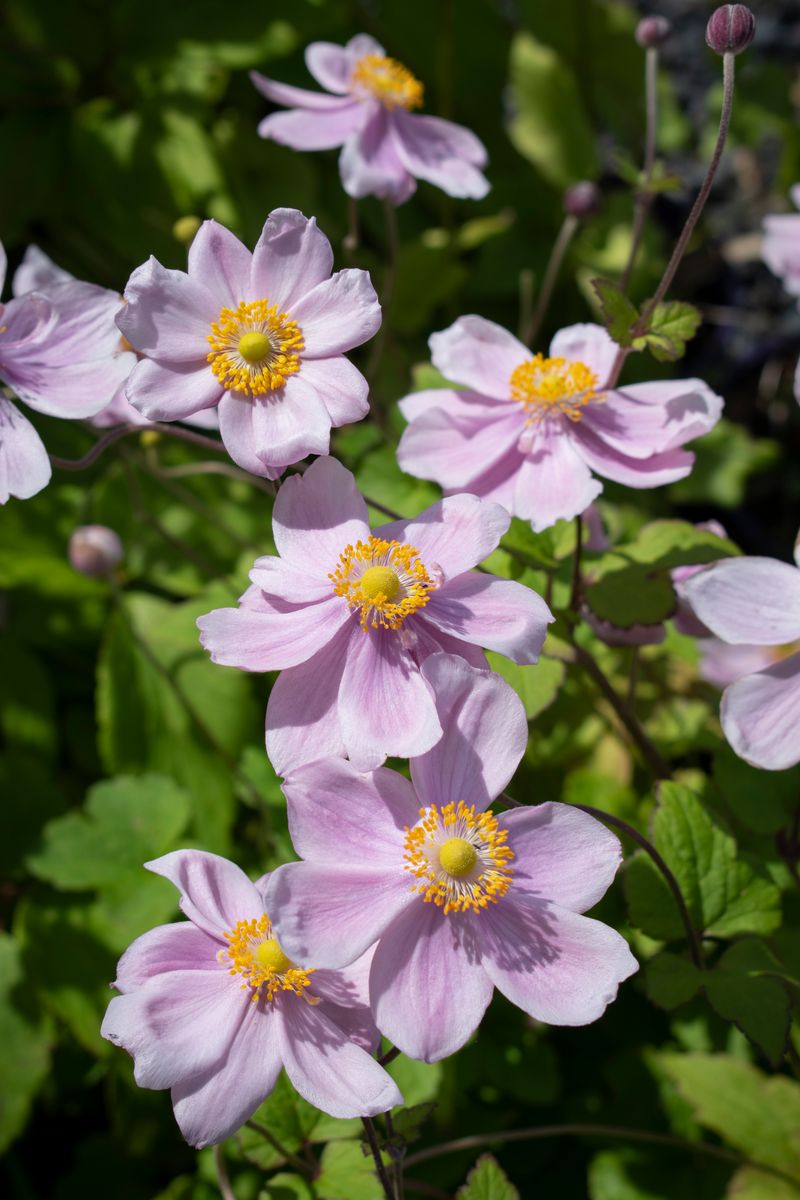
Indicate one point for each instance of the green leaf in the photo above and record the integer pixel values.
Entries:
(25, 1040)
(347, 1173)
(618, 313)
(293, 1122)
(723, 894)
(536, 686)
(549, 126)
(287, 1187)
(670, 327)
(671, 980)
(756, 1003)
(487, 1181)
(408, 1123)
(763, 801)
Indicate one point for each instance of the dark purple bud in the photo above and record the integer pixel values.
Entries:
(731, 29)
(95, 550)
(652, 32)
(582, 200)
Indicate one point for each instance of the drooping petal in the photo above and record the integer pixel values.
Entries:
(174, 392)
(497, 614)
(589, 344)
(178, 947)
(287, 585)
(453, 451)
(479, 355)
(455, 404)
(485, 735)
(212, 1106)
(340, 313)
(721, 663)
(331, 65)
(168, 315)
(302, 722)
(24, 463)
(294, 97)
(291, 257)
(317, 514)
(428, 987)
(655, 471)
(327, 1070)
(340, 386)
(427, 639)
(369, 164)
(329, 915)
(215, 893)
(750, 601)
(761, 716)
(561, 854)
(442, 153)
(36, 273)
(385, 706)
(553, 482)
(651, 418)
(221, 263)
(338, 814)
(305, 128)
(455, 534)
(270, 641)
(72, 390)
(555, 965)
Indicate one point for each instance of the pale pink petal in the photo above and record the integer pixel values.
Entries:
(291, 423)
(285, 584)
(331, 65)
(369, 164)
(24, 462)
(753, 601)
(86, 323)
(215, 893)
(167, 315)
(240, 430)
(70, 390)
(553, 482)
(3, 266)
(590, 344)
(455, 404)
(426, 639)
(453, 451)
(329, 915)
(428, 987)
(302, 722)
(330, 805)
(479, 355)
(291, 257)
(555, 965)
(485, 735)
(317, 514)
(172, 393)
(119, 412)
(306, 128)
(326, 1069)
(761, 716)
(561, 854)
(295, 97)
(497, 614)
(363, 44)
(36, 273)
(270, 641)
(633, 472)
(721, 663)
(221, 263)
(497, 483)
(178, 1025)
(345, 1000)
(340, 386)
(340, 313)
(179, 947)
(442, 153)
(212, 1106)
(654, 417)
(454, 534)
(385, 706)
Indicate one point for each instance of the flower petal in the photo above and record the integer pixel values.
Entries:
(305, 128)
(485, 735)
(178, 947)
(428, 987)
(215, 893)
(633, 472)
(36, 273)
(291, 257)
(317, 514)
(270, 641)
(454, 451)
(454, 403)
(553, 482)
(24, 463)
(283, 584)
(750, 601)
(241, 433)
(442, 153)
(761, 716)
(303, 709)
(174, 392)
(555, 965)
(340, 386)
(654, 417)
(294, 97)
(479, 355)
(167, 315)
(454, 534)
(589, 344)
(497, 614)
(340, 313)
(291, 423)
(331, 65)
(369, 164)
(220, 263)
(561, 854)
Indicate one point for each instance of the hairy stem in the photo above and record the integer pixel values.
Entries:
(560, 247)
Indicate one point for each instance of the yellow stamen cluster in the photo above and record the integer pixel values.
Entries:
(254, 348)
(386, 580)
(458, 857)
(256, 955)
(388, 80)
(546, 386)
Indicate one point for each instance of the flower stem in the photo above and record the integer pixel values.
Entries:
(225, 1189)
(575, 600)
(644, 196)
(560, 247)
(114, 435)
(303, 1167)
(380, 1169)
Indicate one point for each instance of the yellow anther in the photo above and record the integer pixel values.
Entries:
(545, 386)
(254, 346)
(386, 580)
(258, 957)
(457, 856)
(389, 81)
(271, 957)
(380, 581)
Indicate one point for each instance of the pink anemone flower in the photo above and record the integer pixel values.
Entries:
(780, 248)
(528, 431)
(259, 336)
(348, 615)
(60, 354)
(755, 602)
(456, 901)
(367, 111)
(212, 1008)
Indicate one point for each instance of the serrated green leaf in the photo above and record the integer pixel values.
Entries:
(347, 1173)
(619, 314)
(670, 326)
(487, 1181)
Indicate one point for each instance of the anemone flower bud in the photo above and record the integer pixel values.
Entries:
(582, 200)
(652, 32)
(730, 29)
(95, 550)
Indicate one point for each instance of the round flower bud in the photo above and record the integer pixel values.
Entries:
(652, 32)
(582, 199)
(95, 550)
(730, 29)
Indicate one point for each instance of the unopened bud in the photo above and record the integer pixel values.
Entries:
(582, 200)
(652, 32)
(731, 29)
(95, 550)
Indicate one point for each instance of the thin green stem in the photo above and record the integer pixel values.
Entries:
(577, 585)
(380, 1169)
(303, 1167)
(186, 470)
(225, 1189)
(644, 196)
(560, 247)
(114, 435)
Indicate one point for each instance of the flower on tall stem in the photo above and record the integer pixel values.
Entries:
(259, 336)
(213, 1008)
(531, 431)
(349, 615)
(456, 900)
(367, 111)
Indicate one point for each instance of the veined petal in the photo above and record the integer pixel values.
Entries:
(748, 601)
(317, 514)
(654, 471)
(454, 534)
(220, 263)
(291, 257)
(454, 451)
(442, 153)
(497, 614)
(303, 709)
(553, 482)
(651, 418)
(270, 641)
(340, 313)
(340, 386)
(168, 315)
(215, 893)
(172, 392)
(761, 716)
(24, 463)
(369, 164)
(479, 355)
(305, 128)
(291, 424)
(178, 947)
